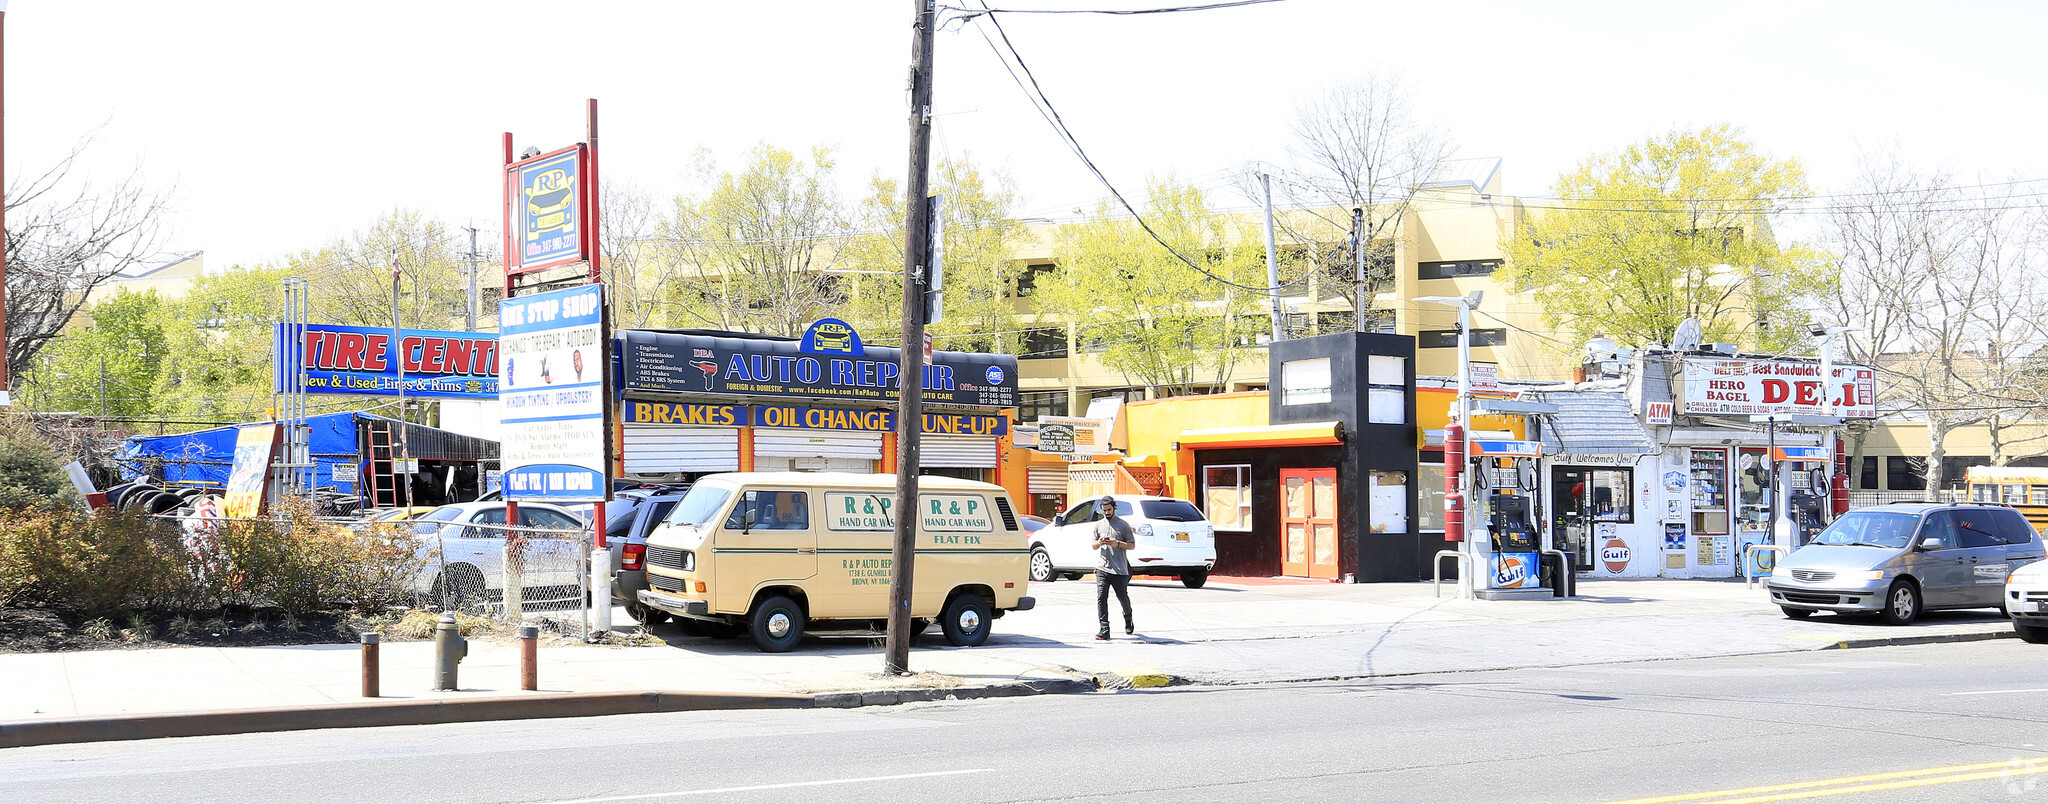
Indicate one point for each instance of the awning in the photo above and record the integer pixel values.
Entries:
(1316, 434)
(1593, 423)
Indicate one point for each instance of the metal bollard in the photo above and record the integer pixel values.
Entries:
(449, 649)
(370, 672)
(529, 672)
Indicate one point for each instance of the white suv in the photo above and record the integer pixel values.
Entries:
(2026, 601)
(1173, 539)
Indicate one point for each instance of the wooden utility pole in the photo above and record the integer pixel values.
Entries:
(910, 374)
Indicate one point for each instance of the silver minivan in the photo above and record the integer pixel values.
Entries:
(1901, 559)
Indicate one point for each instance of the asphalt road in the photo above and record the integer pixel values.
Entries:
(1933, 723)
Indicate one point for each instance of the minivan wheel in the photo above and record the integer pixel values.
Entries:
(1796, 614)
(2034, 634)
(777, 624)
(1041, 566)
(966, 621)
(1193, 579)
(1902, 603)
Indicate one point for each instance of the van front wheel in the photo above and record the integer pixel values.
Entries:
(777, 624)
(966, 621)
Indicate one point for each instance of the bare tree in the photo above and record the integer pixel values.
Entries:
(1358, 144)
(66, 237)
(630, 254)
(1940, 283)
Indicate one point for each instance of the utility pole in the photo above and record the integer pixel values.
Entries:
(404, 478)
(910, 365)
(469, 311)
(1358, 254)
(1272, 268)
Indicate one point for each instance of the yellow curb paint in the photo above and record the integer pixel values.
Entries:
(1860, 784)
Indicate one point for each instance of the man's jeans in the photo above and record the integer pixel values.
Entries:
(1122, 584)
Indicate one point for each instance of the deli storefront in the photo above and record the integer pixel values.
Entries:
(699, 402)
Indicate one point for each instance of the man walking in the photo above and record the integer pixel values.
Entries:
(1113, 539)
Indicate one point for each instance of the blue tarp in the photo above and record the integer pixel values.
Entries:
(203, 458)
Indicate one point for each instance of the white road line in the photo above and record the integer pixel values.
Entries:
(1996, 692)
(785, 785)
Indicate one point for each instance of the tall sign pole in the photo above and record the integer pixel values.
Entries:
(910, 400)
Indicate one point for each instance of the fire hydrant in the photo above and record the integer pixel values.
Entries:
(449, 649)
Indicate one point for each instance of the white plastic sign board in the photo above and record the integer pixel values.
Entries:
(553, 389)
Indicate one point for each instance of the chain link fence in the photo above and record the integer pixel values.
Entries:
(511, 574)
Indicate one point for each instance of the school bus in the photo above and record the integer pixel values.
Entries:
(775, 554)
(2020, 487)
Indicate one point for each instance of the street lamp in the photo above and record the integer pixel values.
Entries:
(1463, 413)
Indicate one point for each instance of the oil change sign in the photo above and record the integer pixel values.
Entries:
(552, 397)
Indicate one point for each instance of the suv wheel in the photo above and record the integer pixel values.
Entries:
(2035, 634)
(1041, 566)
(1902, 603)
(1193, 579)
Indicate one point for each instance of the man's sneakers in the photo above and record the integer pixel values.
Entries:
(1129, 629)
(1102, 635)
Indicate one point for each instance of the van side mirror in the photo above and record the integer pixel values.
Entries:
(753, 516)
(1930, 543)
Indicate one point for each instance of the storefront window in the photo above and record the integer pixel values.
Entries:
(1429, 515)
(1227, 494)
(1709, 491)
(1608, 498)
(1752, 490)
(1388, 512)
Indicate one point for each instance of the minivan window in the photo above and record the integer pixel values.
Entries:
(1941, 527)
(699, 506)
(1871, 528)
(1169, 510)
(1976, 528)
(2015, 528)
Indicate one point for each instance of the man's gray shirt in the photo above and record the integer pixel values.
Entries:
(1110, 558)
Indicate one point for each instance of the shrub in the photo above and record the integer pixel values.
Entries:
(302, 565)
(30, 474)
(99, 563)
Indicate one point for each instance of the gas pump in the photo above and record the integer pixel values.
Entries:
(1514, 550)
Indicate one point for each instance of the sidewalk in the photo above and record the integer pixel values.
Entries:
(1225, 633)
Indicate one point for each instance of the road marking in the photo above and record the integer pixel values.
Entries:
(1997, 692)
(1860, 784)
(783, 786)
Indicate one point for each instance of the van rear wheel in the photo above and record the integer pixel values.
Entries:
(777, 624)
(966, 621)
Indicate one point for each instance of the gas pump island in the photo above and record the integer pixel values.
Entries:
(1511, 557)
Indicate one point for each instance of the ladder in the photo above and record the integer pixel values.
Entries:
(382, 474)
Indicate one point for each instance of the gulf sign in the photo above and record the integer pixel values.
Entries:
(547, 202)
(362, 360)
(1745, 387)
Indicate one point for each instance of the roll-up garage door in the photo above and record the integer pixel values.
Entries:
(957, 451)
(658, 448)
(1048, 479)
(776, 442)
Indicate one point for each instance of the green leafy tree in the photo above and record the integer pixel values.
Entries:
(108, 369)
(978, 237)
(218, 366)
(1672, 228)
(1160, 321)
(758, 250)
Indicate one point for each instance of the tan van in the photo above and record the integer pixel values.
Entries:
(773, 554)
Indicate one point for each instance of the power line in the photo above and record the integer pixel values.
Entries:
(970, 13)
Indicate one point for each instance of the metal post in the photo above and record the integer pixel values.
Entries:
(449, 650)
(1358, 254)
(371, 674)
(600, 574)
(1272, 269)
(910, 363)
(1465, 421)
(398, 358)
(529, 670)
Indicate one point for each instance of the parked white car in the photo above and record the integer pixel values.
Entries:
(2026, 601)
(1173, 539)
(471, 564)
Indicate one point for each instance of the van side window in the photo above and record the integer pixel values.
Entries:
(1975, 528)
(1940, 526)
(772, 510)
(2014, 527)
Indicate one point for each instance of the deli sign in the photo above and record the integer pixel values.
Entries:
(1743, 387)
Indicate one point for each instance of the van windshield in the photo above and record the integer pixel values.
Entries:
(700, 507)
(1871, 528)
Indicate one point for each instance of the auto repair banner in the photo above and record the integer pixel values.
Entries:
(828, 363)
(360, 360)
(553, 438)
(1744, 386)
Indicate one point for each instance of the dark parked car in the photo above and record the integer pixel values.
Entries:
(629, 517)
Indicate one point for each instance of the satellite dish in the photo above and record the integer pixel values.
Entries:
(1687, 338)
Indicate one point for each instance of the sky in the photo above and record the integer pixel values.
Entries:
(280, 126)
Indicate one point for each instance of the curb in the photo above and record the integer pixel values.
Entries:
(859, 698)
(1926, 639)
(380, 713)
